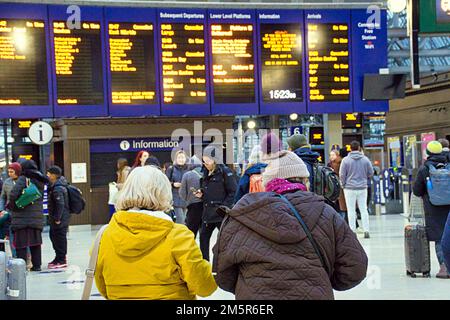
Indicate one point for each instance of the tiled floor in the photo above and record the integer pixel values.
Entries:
(386, 277)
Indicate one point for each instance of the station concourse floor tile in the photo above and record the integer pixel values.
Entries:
(386, 276)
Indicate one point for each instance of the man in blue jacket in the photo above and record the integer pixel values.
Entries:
(298, 143)
(445, 242)
(59, 216)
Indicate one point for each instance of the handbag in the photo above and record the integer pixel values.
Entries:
(308, 233)
(113, 193)
(29, 195)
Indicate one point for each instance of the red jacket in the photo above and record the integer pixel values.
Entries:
(262, 251)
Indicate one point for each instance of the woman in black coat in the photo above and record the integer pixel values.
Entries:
(27, 223)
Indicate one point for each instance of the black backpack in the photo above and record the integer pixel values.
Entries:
(326, 183)
(76, 201)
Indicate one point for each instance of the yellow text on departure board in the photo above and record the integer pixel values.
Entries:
(183, 62)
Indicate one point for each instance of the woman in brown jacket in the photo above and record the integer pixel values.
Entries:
(263, 252)
(335, 164)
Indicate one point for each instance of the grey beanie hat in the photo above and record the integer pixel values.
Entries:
(287, 165)
(214, 152)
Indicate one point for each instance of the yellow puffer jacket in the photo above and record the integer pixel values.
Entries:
(145, 255)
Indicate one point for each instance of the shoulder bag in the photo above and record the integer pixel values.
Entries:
(30, 194)
(308, 233)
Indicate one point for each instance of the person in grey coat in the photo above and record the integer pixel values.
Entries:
(354, 173)
(175, 174)
(189, 183)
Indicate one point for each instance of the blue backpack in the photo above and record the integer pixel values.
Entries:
(438, 184)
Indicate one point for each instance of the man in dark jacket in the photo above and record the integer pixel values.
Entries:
(435, 216)
(59, 216)
(299, 145)
(218, 187)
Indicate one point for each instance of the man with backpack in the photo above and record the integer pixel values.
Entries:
(354, 173)
(59, 216)
(298, 143)
(433, 185)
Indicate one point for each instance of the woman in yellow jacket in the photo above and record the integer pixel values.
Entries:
(145, 255)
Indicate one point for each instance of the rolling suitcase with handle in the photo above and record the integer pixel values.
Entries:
(417, 251)
(13, 273)
(3, 275)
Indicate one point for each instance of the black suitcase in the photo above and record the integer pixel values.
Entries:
(417, 251)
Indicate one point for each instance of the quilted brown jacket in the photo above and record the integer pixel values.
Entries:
(263, 253)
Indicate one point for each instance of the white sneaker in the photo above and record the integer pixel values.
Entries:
(359, 230)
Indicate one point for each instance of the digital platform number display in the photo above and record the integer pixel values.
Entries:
(233, 63)
(328, 56)
(183, 63)
(281, 62)
(23, 63)
(78, 64)
(132, 63)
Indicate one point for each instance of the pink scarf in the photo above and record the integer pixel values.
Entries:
(282, 186)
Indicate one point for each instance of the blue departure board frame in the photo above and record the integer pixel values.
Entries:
(367, 54)
(132, 15)
(329, 16)
(184, 109)
(38, 12)
(88, 14)
(369, 49)
(234, 108)
(284, 17)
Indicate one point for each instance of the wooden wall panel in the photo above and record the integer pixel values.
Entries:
(76, 151)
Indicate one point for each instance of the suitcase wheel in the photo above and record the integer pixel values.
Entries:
(411, 274)
(426, 275)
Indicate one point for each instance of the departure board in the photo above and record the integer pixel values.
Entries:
(23, 63)
(328, 57)
(78, 64)
(281, 62)
(132, 63)
(233, 63)
(183, 63)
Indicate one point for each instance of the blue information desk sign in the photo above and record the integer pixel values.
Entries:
(78, 63)
(25, 90)
(281, 61)
(132, 62)
(234, 88)
(185, 86)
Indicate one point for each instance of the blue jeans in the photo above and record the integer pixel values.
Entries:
(440, 254)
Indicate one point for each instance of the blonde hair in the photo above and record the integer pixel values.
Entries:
(145, 188)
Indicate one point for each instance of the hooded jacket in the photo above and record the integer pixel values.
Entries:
(191, 179)
(435, 216)
(244, 183)
(32, 215)
(310, 158)
(355, 170)
(145, 255)
(58, 201)
(263, 253)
